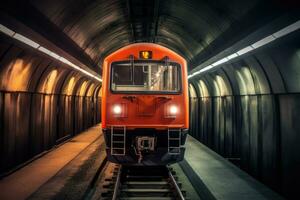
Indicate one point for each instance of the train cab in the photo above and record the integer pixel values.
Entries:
(145, 105)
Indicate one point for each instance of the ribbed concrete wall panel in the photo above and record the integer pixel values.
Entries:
(35, 112)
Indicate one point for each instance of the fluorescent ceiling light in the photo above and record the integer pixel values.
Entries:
(6, 30)
(287, 29)
(97, 78)
(48, 52)
(263, 41)
(206, 68)
(293, 27)
(76, 67)
(35, 45)
(62, 59)
(54, 55)
(26, 40)
(220, 62)
(244, 50)
(44, 50)
(232, 56)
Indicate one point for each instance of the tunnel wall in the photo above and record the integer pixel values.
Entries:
(42, 103)
(248, 112)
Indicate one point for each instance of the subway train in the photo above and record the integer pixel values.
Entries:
(145, 115)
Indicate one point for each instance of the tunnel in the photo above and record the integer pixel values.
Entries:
(243, 65)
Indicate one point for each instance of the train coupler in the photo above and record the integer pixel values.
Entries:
(144, 144)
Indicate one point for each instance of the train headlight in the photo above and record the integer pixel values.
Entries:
(173, 110)
(117, 109)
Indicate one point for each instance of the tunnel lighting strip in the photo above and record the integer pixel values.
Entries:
(37, 46)
(289, 29)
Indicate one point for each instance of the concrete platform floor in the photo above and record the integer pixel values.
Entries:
(65, 173)
(219, 179)
(24, 182)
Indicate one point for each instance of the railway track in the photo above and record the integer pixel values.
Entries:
(143, 183)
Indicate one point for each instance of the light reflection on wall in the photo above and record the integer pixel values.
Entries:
(217, 91)
(203, 89)
(245, 81)
(100, 92)
(49, 83)
(91, 90)
(83, 88)
(70, 86)
(221, 85)
(16, 76)
(192, 91)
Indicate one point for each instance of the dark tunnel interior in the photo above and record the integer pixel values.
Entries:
(246, 109)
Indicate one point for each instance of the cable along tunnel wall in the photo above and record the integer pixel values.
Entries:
(42, 103)
(248, 112)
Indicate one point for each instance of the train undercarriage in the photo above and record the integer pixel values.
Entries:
(144, 146)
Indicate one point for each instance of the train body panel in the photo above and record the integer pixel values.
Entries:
(145, 101)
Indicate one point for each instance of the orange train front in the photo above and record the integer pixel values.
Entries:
(145, 105)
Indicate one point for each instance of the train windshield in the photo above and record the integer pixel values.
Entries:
(143, 76)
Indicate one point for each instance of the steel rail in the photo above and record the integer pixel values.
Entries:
(179, 193)
(117, 184)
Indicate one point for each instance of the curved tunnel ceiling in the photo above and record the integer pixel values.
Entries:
(189, 27)
(197, 29)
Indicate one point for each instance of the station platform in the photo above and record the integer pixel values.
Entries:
(66, 171)
(23, 183)
(216, 178)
